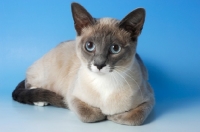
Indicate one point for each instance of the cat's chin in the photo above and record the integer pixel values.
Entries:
(100, 72)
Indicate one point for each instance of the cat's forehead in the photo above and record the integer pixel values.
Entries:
(108, 21)
(106, 28)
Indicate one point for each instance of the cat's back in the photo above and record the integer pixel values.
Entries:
(58, 56)
(54, 68)
(66, 47)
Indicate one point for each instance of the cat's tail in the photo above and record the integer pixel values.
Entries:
(31, 96)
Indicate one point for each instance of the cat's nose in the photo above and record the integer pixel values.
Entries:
(100, 66)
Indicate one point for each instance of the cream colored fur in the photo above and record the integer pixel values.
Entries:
(123, 95)
(61, 71)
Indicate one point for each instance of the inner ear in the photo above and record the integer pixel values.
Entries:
(133, 22)
(81, 17)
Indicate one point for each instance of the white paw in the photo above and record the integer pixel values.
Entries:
(33, 87)
(41, 103)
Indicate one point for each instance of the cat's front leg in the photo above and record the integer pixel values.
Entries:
(134, 117)
(86, 112)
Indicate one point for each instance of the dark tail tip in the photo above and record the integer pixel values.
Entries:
(19, 88)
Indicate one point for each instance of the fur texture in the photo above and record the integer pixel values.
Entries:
(35, 96)
(98, 75)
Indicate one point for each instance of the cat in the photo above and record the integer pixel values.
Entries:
(98, 75)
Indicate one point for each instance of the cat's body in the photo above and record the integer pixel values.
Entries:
(98, 75)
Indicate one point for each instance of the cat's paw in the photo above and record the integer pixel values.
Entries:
(87, 113)
(40, 103)
(90, 114)
(33, 87)
(135, 118)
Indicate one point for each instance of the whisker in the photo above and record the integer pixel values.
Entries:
(125, 68)
(123, 78)
(134, 81)
(115, 80)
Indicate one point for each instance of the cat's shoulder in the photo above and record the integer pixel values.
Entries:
(66, 44)
(142, 66)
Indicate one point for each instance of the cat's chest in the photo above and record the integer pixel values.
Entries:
(115, 98)
(110, 95)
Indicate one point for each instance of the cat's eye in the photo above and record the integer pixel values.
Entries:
(114, 49)
(90, 46)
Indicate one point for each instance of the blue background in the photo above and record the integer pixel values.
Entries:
(169, 46)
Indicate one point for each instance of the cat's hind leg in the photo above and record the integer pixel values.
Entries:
(39, 103)
(37, 96)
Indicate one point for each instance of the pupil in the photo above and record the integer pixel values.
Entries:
(90, 45)
(116, 47)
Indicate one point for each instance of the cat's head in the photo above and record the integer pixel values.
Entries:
(105, 44)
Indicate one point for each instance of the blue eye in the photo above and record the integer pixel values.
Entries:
(90, 46)
(115, 49)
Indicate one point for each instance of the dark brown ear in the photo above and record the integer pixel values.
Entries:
(81, 17)
(133, 22)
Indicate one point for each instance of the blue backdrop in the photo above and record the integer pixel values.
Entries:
(169, 43)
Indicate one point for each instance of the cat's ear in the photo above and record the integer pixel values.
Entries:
(81, 17)
(133, 22)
